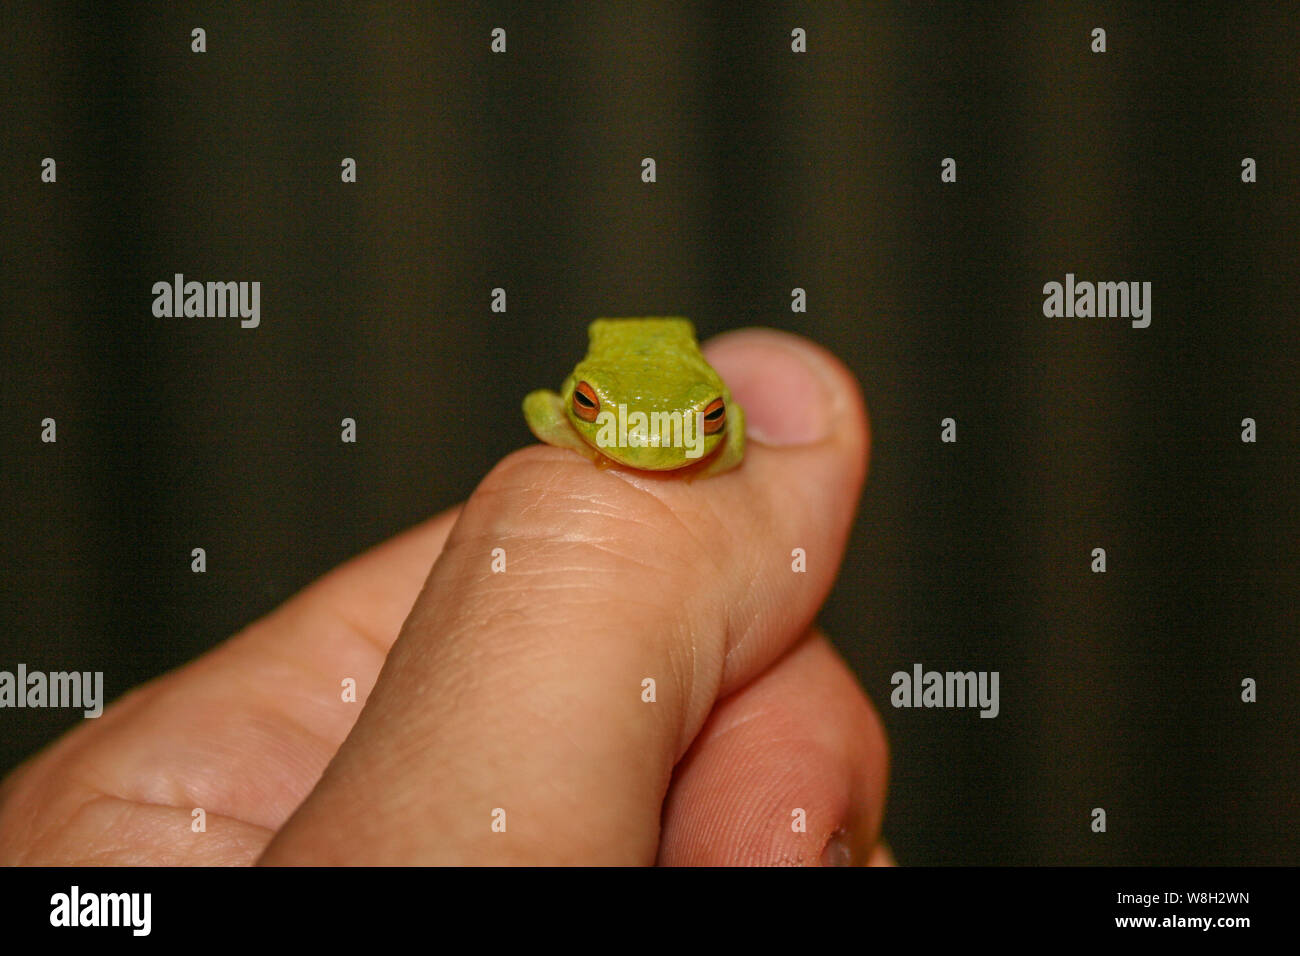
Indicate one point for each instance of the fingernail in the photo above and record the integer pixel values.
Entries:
(839, 850)
(786, 390)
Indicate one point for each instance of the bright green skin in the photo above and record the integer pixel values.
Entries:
(647, 365)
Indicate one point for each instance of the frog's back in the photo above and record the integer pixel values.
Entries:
(613, 336)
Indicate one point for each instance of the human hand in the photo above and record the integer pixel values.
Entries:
(523, 691)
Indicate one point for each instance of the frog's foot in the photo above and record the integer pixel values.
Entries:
(544, 412)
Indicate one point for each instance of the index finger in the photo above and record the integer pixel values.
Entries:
(243, 731)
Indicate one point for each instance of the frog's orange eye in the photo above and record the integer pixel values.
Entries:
(715, 416)
(586, 405)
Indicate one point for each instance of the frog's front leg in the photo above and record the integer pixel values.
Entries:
(733, 449)
(544, 412)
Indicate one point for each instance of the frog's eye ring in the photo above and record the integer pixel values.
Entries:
(586, 404)
(715, 416)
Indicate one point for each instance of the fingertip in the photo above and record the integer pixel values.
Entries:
(791, 769)
(882, 856)
(794, 391)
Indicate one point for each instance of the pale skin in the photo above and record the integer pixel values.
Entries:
(523, 690)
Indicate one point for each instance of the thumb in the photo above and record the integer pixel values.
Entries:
(512, 721)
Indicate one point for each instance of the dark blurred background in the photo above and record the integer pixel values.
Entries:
(775, 171)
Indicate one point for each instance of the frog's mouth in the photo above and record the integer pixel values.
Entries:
(643, 457)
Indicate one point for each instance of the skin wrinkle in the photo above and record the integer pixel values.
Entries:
(685, 680)
(725, 537)
(572, 503)
(527, 475)
(692, 681)
(566, 537)
(550, 567)
(63, 762)
(537, 548)
(666, 510)
(366, 633)
(84, 792)
(335, 599)
(687, 631)
(643, 485)
(730, 727)
(736, 644)
(616, 555)
(33, 834)
(768, 602)
(754, 574)
(728, 612)
(655, 530)
(128, 809)
(163, 787)
(70, 824)
(323, 667)
(754, 596)
(651, 529)
(623, 517)
(544, 544)
(322, 693)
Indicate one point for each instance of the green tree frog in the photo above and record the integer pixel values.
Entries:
(644, 397)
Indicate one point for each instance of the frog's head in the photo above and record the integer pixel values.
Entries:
(654, 409)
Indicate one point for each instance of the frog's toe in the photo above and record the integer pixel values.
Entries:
(544, 412)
